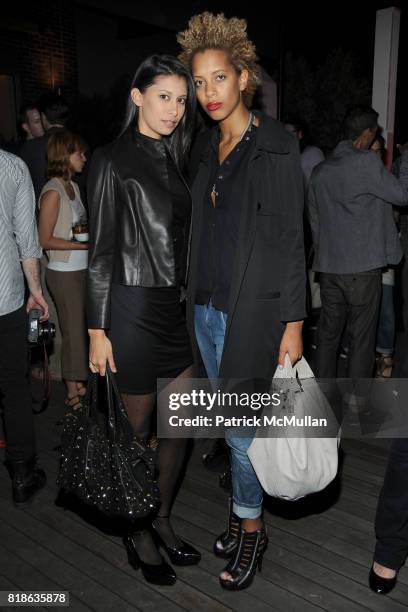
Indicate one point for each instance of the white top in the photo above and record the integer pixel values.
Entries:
(78, 259)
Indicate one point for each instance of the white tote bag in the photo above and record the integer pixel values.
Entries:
(291, 467)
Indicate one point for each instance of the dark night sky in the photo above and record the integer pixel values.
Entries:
(313, 30)
(308, 29)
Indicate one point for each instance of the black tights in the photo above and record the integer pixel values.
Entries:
(171, 453)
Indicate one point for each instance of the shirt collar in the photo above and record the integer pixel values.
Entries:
(270, 136)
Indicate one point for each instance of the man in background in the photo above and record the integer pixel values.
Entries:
(30, 122)
(54, 116)
(350, 210)
(19, 255)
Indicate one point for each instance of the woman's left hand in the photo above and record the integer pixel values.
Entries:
(291, 343)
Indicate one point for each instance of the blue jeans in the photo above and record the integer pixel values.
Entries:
(210, 325)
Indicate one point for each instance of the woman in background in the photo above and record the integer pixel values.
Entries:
(60, 209)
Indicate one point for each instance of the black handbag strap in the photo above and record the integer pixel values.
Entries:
(118, 421)
(117, 418)
(91, 394)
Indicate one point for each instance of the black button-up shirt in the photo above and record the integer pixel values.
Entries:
(220, 223)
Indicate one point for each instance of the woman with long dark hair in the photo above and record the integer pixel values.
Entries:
(140, 214)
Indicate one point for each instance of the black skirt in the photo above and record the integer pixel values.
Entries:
(149, 336)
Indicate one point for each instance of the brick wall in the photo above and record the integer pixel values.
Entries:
(38, 47)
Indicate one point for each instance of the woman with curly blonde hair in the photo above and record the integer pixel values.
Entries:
(246, 294)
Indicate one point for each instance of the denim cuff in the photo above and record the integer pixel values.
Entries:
(243, 512)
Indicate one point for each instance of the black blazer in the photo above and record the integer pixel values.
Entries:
(268, 286)
(130, 221)
(34, 153)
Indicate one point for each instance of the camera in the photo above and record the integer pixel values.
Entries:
(39, 331)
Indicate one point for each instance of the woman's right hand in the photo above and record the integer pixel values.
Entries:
(100, 352)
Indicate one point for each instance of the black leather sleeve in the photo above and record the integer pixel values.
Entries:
(102, 197)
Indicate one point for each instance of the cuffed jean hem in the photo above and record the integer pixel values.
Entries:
(247, 494)
(245, 512)
(387, 352)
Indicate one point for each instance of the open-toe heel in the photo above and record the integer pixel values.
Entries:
(247, 559)
(226, 544)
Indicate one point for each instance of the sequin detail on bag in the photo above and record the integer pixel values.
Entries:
(102, 462)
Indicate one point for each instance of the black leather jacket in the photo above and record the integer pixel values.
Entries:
(130, 222)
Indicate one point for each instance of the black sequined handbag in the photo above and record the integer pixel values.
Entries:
(102, 462)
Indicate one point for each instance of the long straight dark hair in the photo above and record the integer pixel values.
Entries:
(151, 68)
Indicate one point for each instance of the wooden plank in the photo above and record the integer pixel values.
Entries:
(220, 491)
(113, 553)
(330, 526)
(5, 583)
(317, 529)
(284, 576)
(25, 537)
(360, 486)
(285, 597)
(358, 476)
(313, 551)
(186, 593)
(17, 574)
(344, 576)
(187, 596)
(295, 590)
(366, 466)
(378, 449)
(348, 502)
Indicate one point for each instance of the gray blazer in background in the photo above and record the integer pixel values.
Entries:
(349, 207)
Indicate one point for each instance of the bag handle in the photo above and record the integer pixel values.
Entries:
(117, 414)
(116, 410)
(91, 394)
(300, 370)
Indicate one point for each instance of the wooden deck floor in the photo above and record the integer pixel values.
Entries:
(318, 557)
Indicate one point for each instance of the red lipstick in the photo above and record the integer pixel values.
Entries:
(213, 106)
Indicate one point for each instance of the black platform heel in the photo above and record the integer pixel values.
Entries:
(226, 544)
(162, 574)
(179, 555)
(247, 559)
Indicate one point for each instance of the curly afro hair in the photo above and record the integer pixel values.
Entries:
(209, 31)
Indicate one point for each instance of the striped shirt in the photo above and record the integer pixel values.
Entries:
(18, 229)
